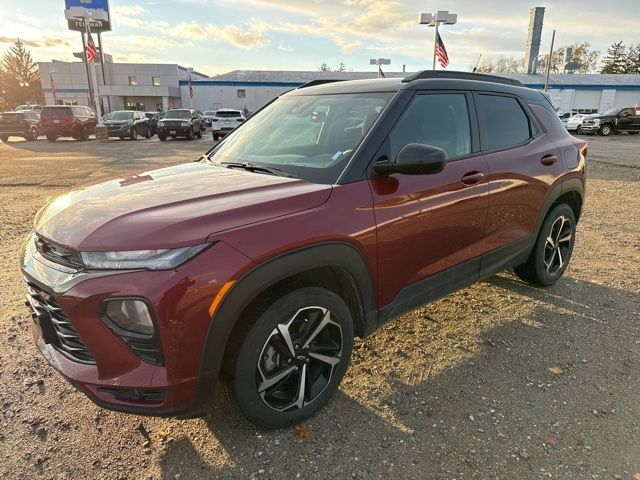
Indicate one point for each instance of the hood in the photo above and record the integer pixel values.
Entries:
(172, 207)
(117, 122)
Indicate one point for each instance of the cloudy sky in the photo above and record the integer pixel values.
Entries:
(216, 36)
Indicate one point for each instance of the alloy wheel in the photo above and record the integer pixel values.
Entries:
(558, 245)
(298, 359)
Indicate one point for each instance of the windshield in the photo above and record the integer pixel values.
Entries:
(119, 116)
(308, 136)
(177, 114)
(613, 111)
(209, 113)
(11, 116)
(56, 111)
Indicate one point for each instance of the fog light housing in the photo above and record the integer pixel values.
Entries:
(131, 315)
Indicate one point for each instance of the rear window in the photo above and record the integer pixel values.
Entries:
(181, 114)
(228, 114)
(56, 111)
(503, 121)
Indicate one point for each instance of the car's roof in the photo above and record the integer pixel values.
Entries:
(229, 110)
(427, 80)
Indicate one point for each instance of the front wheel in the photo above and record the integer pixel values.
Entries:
(51, 138)
(605, 130)
(190, 134)
(579, 130)
(133, 133)
(162, 137)
(292, 358)
(199, 134)
(553, 248)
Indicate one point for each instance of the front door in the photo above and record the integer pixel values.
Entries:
(427, 224)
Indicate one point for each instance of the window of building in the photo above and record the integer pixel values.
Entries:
(440, 120)
(156, 81)
(132, 105)
(133, 81)
(242, 93)
(69, 101)
(504, 122)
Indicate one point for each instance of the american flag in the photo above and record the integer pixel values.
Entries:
(54, 88)
(380, 72)
(92, 52)
(441, 51)
(190, 88)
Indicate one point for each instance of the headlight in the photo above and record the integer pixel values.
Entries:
(596, 121)
(141, 259)
(184, 124)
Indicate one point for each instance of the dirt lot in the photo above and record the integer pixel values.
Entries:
(500, 380)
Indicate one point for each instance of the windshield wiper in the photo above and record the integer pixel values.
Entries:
(260, 168)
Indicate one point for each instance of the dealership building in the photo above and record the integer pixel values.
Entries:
(586, 93)
(134, 86)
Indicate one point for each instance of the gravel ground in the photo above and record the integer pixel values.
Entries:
(500, 380)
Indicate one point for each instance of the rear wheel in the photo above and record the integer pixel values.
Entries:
(51, 138)
(292, 358)
(190, 134)
(162, 137)
(199, 134)
(632, 133)
(84, 136)
(551, 254)
(148, 133)
(133, 133)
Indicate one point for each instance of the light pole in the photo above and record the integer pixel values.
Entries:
(379, 62)
(434, 20)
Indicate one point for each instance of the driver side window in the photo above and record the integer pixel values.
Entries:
(439, 119)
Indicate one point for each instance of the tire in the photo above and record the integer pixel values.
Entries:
(579, 130)
(199, 134)
(190, 134)
(84, 136)
(632, 133)
(553, 248)
(51, 138)
(316, 320)
(4, 138)
(216, 137)
(605, 130)
(148, 133)
(133, 133)
(162, 138)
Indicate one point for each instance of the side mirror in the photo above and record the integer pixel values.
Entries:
(414, 159)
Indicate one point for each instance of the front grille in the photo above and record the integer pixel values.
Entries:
(67, 340)
(58, 254)
(172, 123)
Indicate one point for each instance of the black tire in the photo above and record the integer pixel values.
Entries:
(551, 254)
(51, 138)
(255, 349)
(148, 133)
(605, 130)
(4, 138)
(162, 137)
(579, 130)
(199, 134)
(84, 135)
(133, 133)
(216, 137)
(632, 133)
(190, 134)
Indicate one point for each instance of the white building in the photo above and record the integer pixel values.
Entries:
(586, 93)
(134, 86)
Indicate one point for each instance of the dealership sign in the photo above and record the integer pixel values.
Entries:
(77, 12)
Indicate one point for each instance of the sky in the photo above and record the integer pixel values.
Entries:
(217, 36)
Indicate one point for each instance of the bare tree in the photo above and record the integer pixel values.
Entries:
(501, 64)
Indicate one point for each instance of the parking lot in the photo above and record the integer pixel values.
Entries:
(500, 380)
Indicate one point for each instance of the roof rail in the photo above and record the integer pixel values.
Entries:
(318, 81)
(482, 77)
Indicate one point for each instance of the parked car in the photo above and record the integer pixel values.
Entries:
(25, 124)
(574, 124)
(225, 121)
(127, 123)
(180, 122)
(37, 108)
(67, 121)
(259, 263)
(152, 118)
(208, 115)
(616, 120)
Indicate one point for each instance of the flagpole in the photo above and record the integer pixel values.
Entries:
(86, 64)
(435, 43)
(94, 77)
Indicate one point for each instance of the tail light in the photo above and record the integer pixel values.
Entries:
(585, 150)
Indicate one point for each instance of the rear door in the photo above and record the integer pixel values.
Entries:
(428, 224)
(523, 164)
(626, 120)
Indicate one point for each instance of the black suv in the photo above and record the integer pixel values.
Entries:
(180, 123)
(616, 120)
(25, 124)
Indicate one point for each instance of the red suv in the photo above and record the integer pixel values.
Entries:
(68, 121)
(331, 211)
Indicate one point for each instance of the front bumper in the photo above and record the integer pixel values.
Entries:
(120, 131)
(590, 128)
(180, 300)
(174, 131)
(14, 133)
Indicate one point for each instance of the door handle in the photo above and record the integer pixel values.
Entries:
(472, 178)
(549, 159)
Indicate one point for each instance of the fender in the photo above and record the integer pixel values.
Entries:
(330, 254)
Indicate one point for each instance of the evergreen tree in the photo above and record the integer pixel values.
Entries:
(324, 68)
(615, 61)
(19, 76)
(633, 59)
(341, 68)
